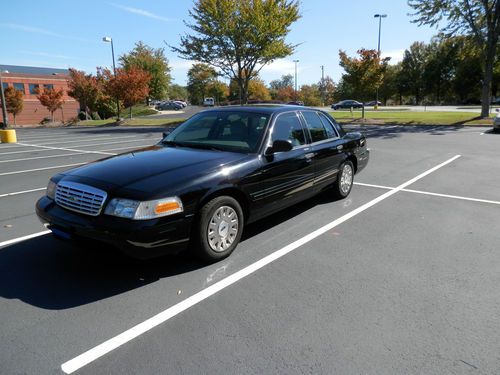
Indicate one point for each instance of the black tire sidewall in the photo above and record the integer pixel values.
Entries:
(203, 248)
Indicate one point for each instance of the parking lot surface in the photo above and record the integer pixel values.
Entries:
(400, 277)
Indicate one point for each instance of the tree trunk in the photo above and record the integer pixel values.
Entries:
(52, 116)
(14, 119)
(130, 113)
(487, 78)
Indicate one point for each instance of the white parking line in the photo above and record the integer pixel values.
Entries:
(41, 169)
(21, 192)
(24, 238)
(68, 149)
(81, 140)
(130, 334)
(430, 193)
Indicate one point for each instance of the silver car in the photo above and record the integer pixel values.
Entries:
(496, 121)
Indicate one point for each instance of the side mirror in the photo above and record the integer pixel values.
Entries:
(279, 145)
(167, 131)
(497, 110)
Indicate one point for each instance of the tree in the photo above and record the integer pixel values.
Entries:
(239, 37)
(478, 18)
(51, 99)
(310, 95)
(129, 85)
(199, 77)
(284, 81)
(155, 63)
(176, 91)
(327, 89)
(285, 94)
(364, 74)
(85, 89)
(257, 90)
(13, 101)
(411, 79)
(217, 90)
(389, 88)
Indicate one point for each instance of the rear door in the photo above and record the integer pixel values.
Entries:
(287, 177)
(327, 148)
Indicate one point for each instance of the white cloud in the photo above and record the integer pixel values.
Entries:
(141, 12)
(395, 55)
(37, 30)
(181, 64)
(45, 54)
(281, 67)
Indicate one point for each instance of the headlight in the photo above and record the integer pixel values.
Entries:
(143, 210)
(51, 189)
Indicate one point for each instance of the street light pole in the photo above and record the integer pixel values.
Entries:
(379, 16)
(4, 106)
(295, 61)
(322, 85)
(108, 39)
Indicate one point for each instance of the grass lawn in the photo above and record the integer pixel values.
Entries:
(133, 122)
(412, 118)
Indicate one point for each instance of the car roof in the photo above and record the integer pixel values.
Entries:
(261, 108)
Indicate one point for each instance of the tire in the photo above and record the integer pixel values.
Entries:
(345, 178)
(219, 228)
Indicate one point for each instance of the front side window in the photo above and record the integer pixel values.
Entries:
(225, 130)
(19, 87)
(288, 128)
(315, 126)
(34, 88)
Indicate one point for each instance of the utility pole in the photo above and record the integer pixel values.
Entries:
(379, 16)
(108, 39)
(322, 85)
(295, 61)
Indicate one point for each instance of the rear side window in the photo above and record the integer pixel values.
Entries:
(288, 128)
(315, 126)
(329, 123)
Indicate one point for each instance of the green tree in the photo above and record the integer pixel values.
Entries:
(199, 77)
(389, 89)
(154, 62)
(310, 95)
(327, 89)
(239, 37)
(478, 18)
(217, 90)
(363, 74)
(279, 86)
(176, 91)
(411, 79)
(257, 90)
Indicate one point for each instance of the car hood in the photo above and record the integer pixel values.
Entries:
(152, 169)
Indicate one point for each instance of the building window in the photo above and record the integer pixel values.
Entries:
(34, 88)
(49, 86)
(19, 87)
(4, 85)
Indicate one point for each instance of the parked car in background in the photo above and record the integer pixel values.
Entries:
(181, 102)
(208, 102)
(373, 103)
(168, 106)
(347, 104)
(296, 103)
(205, 181)
(496, 121)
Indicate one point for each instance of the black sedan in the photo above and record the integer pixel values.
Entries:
(167, 106)
(343, 104)
(206, 180)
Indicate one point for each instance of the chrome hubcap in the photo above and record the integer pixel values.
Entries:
(346, 179)
(222, 228)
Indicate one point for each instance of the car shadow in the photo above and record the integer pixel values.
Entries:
(55, 275)
(395, 131)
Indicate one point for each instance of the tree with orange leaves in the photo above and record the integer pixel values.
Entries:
(14, 101)
(51, 99)
(129, 85)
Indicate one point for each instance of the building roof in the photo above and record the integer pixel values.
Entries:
(32, 70)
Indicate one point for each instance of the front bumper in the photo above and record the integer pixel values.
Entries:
(141, 239)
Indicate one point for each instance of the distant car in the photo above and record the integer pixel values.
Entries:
(181, 102)
(168, 106)
(208, 102)
(347, 104)
(373, 103)
(296, 103)
(496, 121)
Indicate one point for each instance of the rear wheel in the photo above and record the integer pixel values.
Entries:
(219, 228)
(345, 178)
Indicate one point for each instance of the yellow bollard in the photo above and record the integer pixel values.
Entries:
(8, 136)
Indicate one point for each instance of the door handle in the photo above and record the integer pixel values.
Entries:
(309, 155)
(340, 147)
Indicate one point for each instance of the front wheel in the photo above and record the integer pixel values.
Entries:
(219, 228)
(345, 179)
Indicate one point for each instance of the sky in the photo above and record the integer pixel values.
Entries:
(66, 33)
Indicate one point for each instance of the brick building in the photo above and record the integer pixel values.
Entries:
(27, 79)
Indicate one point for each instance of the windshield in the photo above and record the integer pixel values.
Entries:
(236, 131)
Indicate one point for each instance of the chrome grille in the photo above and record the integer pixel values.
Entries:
(80, 198)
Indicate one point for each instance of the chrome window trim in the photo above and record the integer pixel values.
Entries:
(268, 142)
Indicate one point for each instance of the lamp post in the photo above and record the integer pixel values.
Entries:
(4, 106)
(379, 16)
(295, 61)
(322, 85)
(108, 39)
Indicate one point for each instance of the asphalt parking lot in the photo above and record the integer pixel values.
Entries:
(401, 277)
